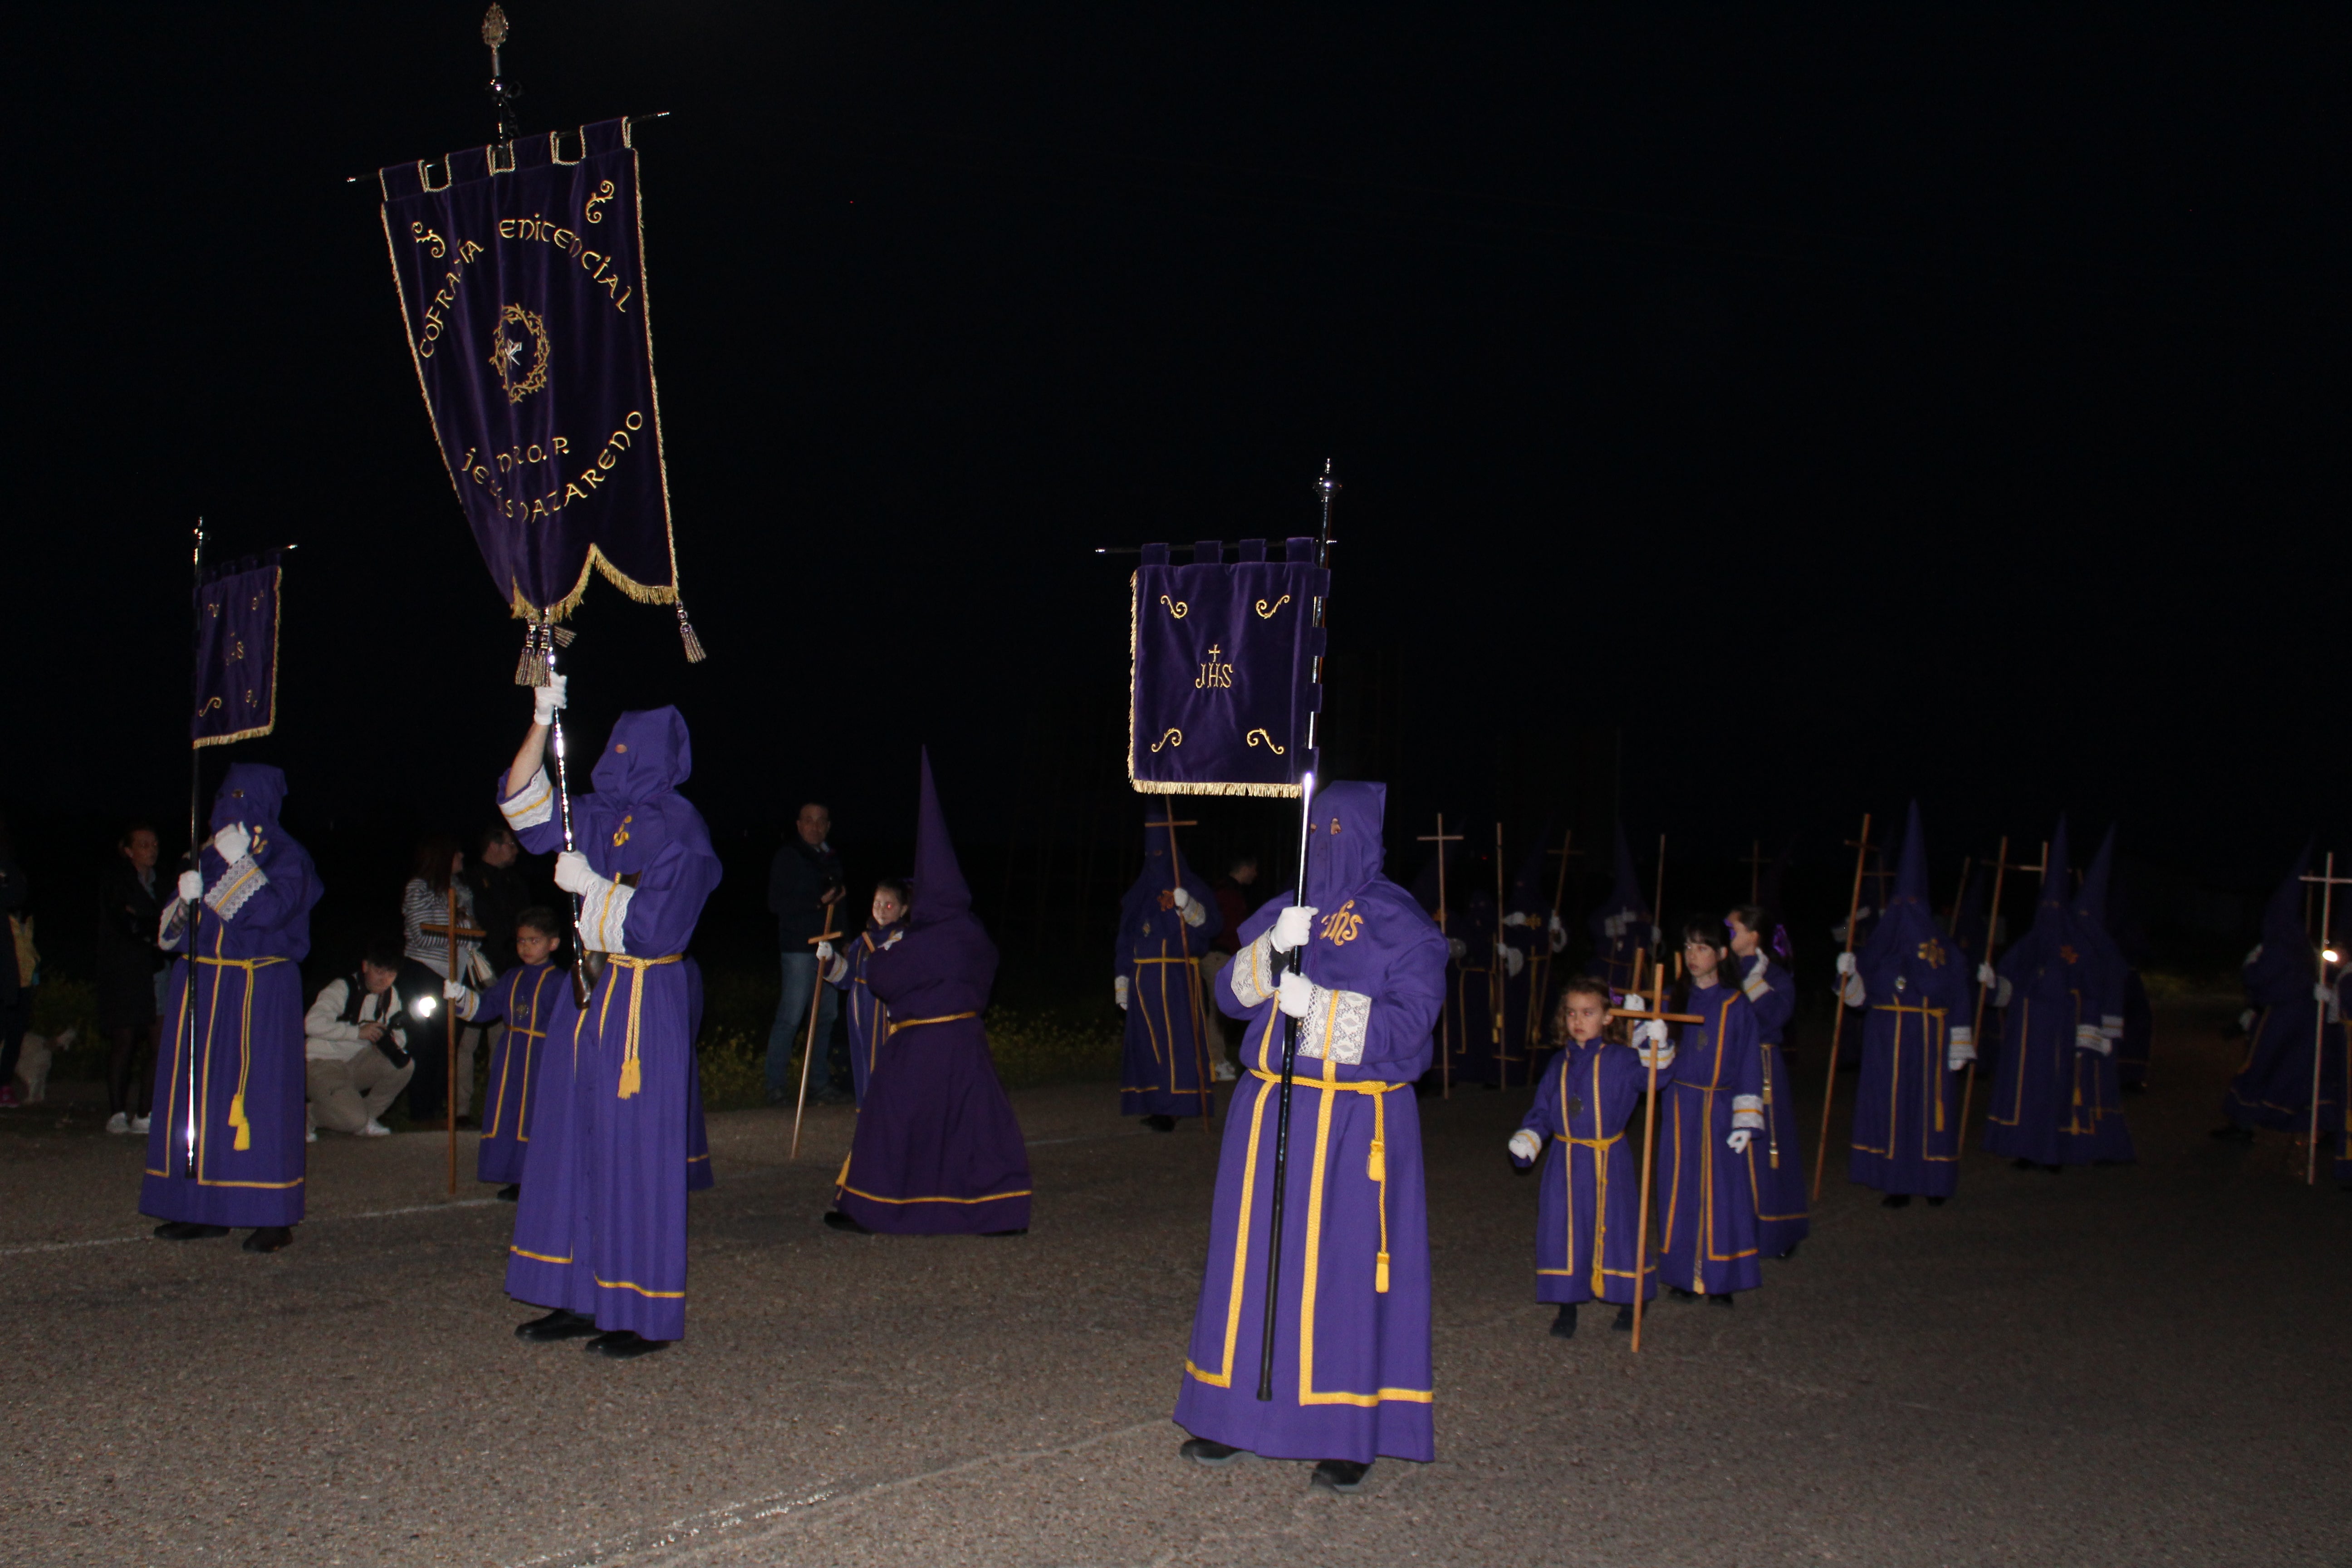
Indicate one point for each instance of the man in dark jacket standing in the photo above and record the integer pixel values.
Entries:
(802, 882)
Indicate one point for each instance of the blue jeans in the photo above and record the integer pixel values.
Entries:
(791, 1028)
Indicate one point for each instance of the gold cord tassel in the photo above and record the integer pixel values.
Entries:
(694, 654)
(531, 669)
(236, 1119)
(1381, 1274)
(632, 1078)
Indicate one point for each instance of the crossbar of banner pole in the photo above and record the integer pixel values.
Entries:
(634, 121)
(1135, 549)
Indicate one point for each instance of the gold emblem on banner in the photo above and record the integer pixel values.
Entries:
(507, 346)
(1173, 737)
(1175, 607)
(603, 194)
(1266, 612)
(1260, 738)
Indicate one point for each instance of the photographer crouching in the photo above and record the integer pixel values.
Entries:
(355, 1042)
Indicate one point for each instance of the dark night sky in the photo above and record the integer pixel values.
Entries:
(1850, 402)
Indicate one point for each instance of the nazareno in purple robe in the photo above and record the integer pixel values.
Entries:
(1776, 1165)
(2065, 983)
(2273, 1085)
(1164, 1069)
(1705, 1196)
(533, 1000)
(938, 1150)
(869, 1021)
(1352, 1362)
(1587, 1209)
(241, 1043)
(1906, 1112)
(601, 1226)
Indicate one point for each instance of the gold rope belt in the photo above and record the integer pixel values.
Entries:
(1376, 1160)
(236, 1117)
(632, 1073)
(1596, 1142)
(1903, 1007)
(1179, 959)
(919, 1022)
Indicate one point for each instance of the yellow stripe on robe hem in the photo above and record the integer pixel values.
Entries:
(918, 1023)
(211, 1182)
(535, 1256)
(632, 1285)
(993, 1197)
(1241, 1245)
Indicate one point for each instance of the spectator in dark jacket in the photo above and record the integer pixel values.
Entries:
(804, 882)
(131, 967)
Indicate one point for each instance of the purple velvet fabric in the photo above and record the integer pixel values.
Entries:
(1776, 1165)
(601, 1226)
(1351, 1365)
(240, 1043)
(1906, 1112)
(1587, 1210)
(1706, 1194)
(938, 1150)
(1164, 1068)
(1620, 926)
(869, 1021)
(2062, 975)
(533, 1000)
(2273, 1085)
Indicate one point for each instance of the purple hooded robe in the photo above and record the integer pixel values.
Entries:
(1776, 1166)
(2065, 979)
(1164, 1070)
(1706, 1196)
(1907, 1116)
(1623, 924)
(938, 1150)
(1587, 1209)
(247, 1037)
(600, 1225)
(2273, 1086)
(1351, 1362)
(527, 998)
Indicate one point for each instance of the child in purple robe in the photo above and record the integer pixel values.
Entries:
(534, 998)
(1165, 921)
(1351, 1351)
(229, 1077)
(869, 1021)
(1776, 1167)
(938, 1150)
(600, 1228)
(1587, 1209)
(1708, 1119)
(1906, 1112)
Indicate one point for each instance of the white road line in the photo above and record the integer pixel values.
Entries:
(327, 1219)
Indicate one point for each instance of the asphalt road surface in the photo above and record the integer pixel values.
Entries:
(2142, 1364)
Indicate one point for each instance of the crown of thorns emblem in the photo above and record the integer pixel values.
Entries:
(507, 347)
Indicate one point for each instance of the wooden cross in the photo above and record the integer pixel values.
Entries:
(2001, 867)
(453, 932)
(1756, 859)
(2328, 881)
(808, 1047)
(1655, 1012)
(1444, 1015)
(1861, 847)
(1191, 975)
(1497, 989)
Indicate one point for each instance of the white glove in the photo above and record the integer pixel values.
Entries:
(2000, 997)
(1657, 935)
(1517, 919)
(1458, 948)
(1846, 964)
(454, 993)
(2088, 1039)
(1526, 1144)
(232, 842)
(1960, 1047)
(1650, 1030)
(1184, 900)
(1863, 913)
(1613, 927)
(2322, 992)
(1739, 1140)
(1297, 993)
(1119, 991)
(572, 873)
(1854, 993)
(545, 699)
(191, 886)
(1294, 926)
(824, 952)
(1513, 958)
(2253, 955)
(1559, 933)
(1987, 975)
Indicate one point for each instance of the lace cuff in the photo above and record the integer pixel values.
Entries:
(601, 915)
(238, 884)
(1251, 973)
(1335, 1027)
(1747, 1110)
(534, 806)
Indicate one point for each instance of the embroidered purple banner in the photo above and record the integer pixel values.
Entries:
(237, 652)
(1227, 670)
(522, 285)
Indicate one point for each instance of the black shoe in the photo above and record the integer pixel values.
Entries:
(1934, 1203)
(184, 1230)
(269, 1238)
(2022, 1163)
(510, 1192)
(468, 1124)
(1790, 1251)
(1895, 1201)
(1204, 1451)
(1624, 1323)
(2055, 1170)
(1341, 1475)
(2234, 1134)
(557, 1325)
(1564, 1326)
(623, 1343)
(2135, 1088)
(837, 1220)
(1016, 1230)
(1161, 1123)
(1679, 1294)
(1723, 1301)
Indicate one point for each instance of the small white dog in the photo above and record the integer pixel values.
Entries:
(32, 1066)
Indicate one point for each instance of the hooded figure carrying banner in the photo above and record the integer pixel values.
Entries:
(2273, 1085)
(1351, 1375)
(1163, 1075)
(1907, 1120)
(938, 1150)
(234, 1065)
(1623, 925)
(600, 1228)
(2061, 989)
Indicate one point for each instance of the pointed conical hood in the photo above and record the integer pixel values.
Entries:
(1424, 887)
(2057, 879)
(2282, 916)
(940, 892)
(1911, 870)
(2091, 902)
(1531, 887)
(1625, 890)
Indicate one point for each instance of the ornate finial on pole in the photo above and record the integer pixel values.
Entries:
(494, 34)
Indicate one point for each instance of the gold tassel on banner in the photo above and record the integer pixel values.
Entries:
(531, 669)
(694, 654)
